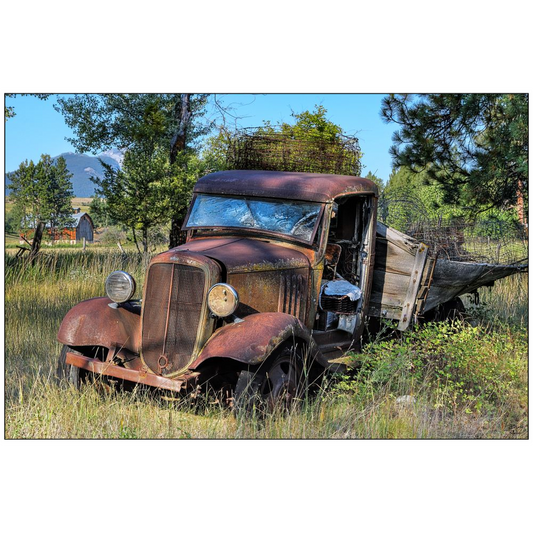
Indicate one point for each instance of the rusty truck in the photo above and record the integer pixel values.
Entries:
(279, 270)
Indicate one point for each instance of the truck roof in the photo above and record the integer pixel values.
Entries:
(287, 185)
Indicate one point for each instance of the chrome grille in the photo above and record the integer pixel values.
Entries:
(171, 316)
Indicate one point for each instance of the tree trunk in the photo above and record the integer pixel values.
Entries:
(183, 115)
(522, 218)
(175, 231)
(135, 240)
(145, 241)
(178, 144)
(36, 243)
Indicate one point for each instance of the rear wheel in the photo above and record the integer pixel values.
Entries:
(275, 386)
(451, 310)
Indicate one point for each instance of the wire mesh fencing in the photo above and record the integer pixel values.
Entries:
(256, 149)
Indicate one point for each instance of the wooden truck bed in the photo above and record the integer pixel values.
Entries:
(409, 280)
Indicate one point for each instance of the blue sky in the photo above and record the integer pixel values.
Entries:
(38, 129)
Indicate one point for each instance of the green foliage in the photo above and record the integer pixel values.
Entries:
(474, 145)
(101, 216)
(147, 191)
(451, 365)
(56, 191)
(154, 129)
(411, 198)
(42, 192)
(25, 196)
(9, 111)
(11, 224)
(186, 171)
(312, 143)
(111, 235)
(104, 121)
(215, 150)
(311, 125)
(136, 196)
(378, 181)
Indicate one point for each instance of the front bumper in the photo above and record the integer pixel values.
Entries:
(136, 376)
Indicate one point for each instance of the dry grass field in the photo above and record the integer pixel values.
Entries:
(466, 380)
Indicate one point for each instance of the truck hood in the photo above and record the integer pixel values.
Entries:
(246, 255)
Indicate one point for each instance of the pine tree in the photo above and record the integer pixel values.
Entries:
(136, 196)
(56, 189)
(42, 192)
(474, 145)
(25, 196)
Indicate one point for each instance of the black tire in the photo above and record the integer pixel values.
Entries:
(450, 311)
(274, 386)
(66, 373)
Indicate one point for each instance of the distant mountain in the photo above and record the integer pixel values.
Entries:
(84, 166)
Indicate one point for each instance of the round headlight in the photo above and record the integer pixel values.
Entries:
(222, 299)
(119, 286)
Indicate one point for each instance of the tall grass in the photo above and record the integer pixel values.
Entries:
(396, 391)
(507, 301)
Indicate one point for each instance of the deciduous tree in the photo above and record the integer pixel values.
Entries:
(152, 126)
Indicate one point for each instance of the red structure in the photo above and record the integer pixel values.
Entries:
(83, 227)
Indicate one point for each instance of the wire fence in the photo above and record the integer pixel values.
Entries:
(493, 240)
(256, 149)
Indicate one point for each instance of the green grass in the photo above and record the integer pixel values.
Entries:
(463, 381)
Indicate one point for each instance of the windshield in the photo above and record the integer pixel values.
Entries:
(286, 217)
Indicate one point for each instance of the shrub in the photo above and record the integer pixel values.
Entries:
(452, 365)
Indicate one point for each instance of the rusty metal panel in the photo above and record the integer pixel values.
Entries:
(99, 322)
(284, 291)
(155, 314)
(287, 185)
(293, 292)
(253, 339)
(185, 308)
(248, 255)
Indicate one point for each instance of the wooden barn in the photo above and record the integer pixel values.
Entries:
(83, 227)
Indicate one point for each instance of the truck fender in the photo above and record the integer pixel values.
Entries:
(100, 322)
(252, 339)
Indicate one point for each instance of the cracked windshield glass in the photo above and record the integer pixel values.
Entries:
(296, 219)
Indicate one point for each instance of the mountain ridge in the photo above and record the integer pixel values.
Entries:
(83, 167)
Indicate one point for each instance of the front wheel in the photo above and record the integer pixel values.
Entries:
(274, 386)
(66, 373)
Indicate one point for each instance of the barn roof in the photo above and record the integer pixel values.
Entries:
(77, 218)
(289, 185)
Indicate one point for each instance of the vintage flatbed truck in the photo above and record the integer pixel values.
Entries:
(279, 271)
